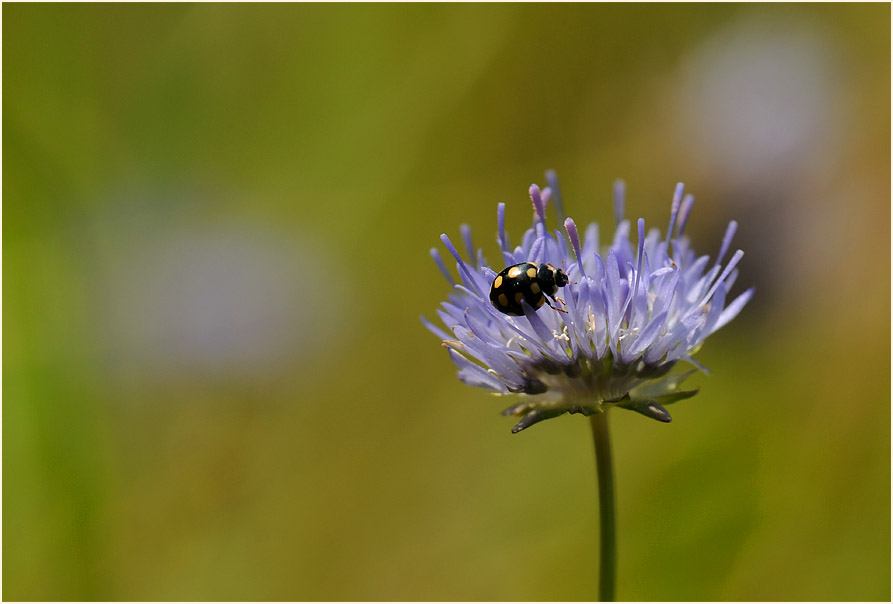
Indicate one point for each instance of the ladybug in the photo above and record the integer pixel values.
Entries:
(526, 281)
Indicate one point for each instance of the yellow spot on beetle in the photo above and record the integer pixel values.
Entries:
(531, 272)
(498, 283)
(503, 301)
(535, 287)
(514, 272)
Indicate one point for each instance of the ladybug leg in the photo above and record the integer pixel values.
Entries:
(553, 307)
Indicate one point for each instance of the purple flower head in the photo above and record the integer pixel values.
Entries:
(632, 309)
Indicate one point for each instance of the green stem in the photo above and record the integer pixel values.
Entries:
(606, 506)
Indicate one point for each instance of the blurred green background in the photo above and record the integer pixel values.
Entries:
(216, 226)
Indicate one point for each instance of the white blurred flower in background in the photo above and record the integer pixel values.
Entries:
(761, 102)
(760, 111)
(189, 294)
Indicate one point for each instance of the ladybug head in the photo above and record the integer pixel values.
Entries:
(552, 278)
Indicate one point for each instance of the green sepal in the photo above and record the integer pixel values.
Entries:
(519, 409)
(649, 409)
(657, 389)
(675, 397)
(536, 416)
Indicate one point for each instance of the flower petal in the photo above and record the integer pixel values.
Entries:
(731, 311)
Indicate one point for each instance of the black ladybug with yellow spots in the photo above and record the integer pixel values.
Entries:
(526, 281)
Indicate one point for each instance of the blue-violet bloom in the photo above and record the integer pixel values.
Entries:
(632, 312)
